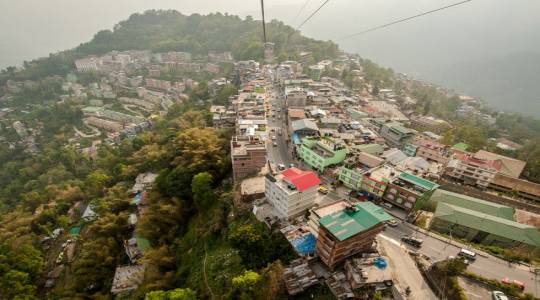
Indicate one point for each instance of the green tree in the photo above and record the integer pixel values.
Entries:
(177, 294)
(201, 187)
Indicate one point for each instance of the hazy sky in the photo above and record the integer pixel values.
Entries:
(476, 31)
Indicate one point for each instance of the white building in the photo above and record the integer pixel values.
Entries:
(88, 64)
(292, 192)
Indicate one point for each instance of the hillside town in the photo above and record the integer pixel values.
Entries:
(359, 183)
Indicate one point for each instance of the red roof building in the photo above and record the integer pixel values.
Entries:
(302, 180)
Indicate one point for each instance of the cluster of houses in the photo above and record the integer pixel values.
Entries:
(374, 148)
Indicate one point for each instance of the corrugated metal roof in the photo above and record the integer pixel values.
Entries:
(345, 224)
(486, 207)
(487, 223)
(425, 184)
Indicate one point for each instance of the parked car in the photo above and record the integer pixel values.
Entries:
(467, 254)
(281, 167)
(274, 144)
(498, 295)
(392, 223)
(323, 189)
(416, 242)
(517, 283)
(387, 205)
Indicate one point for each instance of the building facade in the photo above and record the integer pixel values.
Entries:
(248, 156)
(349, 232)
(396, 135)
(319, 153)
(292, 192)
(407, 191)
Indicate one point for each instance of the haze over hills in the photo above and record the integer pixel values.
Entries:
(498, 35)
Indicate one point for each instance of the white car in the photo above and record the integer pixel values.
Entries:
(498, 295)
(281, 167)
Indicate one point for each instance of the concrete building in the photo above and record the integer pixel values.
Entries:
(88, 64)
(317, 213)
(407, 191)
(292, 192)
(295, 98)
(349, 232)
(375, 182)
(103, 124)
(509, 166)
(354, 168)
(396, 135)
(480, 221)
(432, 151)
(248, 156)
(466, 168)
(423, 123)
(319, 153)
(523, 188)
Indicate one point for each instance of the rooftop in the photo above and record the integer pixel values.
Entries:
(418, 181)
(486, 207)
(302, 180)
(349, 222)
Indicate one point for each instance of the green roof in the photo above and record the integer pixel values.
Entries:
(345, 224)
(487, 223)
(460, 146)
(75, 230)
(482, 206)
(143, 244)
(421, 182)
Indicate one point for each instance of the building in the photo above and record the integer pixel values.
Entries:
(410, 150)
(295, 98)
(407, 191)
(248, 156)
(432, 151)
(320, 153)
(509, 166)
(480, 221)
(292, 192)
(523, 188)
(353, 170)
(349, 232)
(466, 168)
(127, 278)
(315, 214)
(89, 64)
(364, 273)
(396, 135)
(315, 72)
(375, 182)
(304, 127)
(424, 123)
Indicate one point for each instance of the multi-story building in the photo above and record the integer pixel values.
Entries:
(468, 169)
(317, 213)
(407, 190)
(376, 181)
(88, 64)
(349, 232)
(320, 153)
(424, 123)
(523, 188)
(248, 156)
(292, 192)
(103, 124)
(396, 135)
(432, 151)
(295, 98)
(353, 170)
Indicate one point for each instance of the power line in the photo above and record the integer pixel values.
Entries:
(300, 11)
(263, 21)
(312, 14)
(403, 20)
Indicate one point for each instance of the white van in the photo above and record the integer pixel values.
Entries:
(467, 254)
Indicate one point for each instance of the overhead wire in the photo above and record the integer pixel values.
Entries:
(312, 15)
(402, 20)
(300, 11)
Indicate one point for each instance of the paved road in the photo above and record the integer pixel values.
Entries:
(404, 270)
(490, 267)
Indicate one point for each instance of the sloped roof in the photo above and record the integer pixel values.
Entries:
(370, 148)
(369, 160)
(482, 206)
(460, 147)
(487, 223)
(510, 166)
(302, 180)
(424, 183)
(304, 124)
(517, 184)
(345, 224)
(296, 113)
(394, 156)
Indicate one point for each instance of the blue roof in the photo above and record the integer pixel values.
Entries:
(296, 139)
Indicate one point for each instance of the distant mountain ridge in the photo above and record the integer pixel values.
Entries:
(509, 83)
